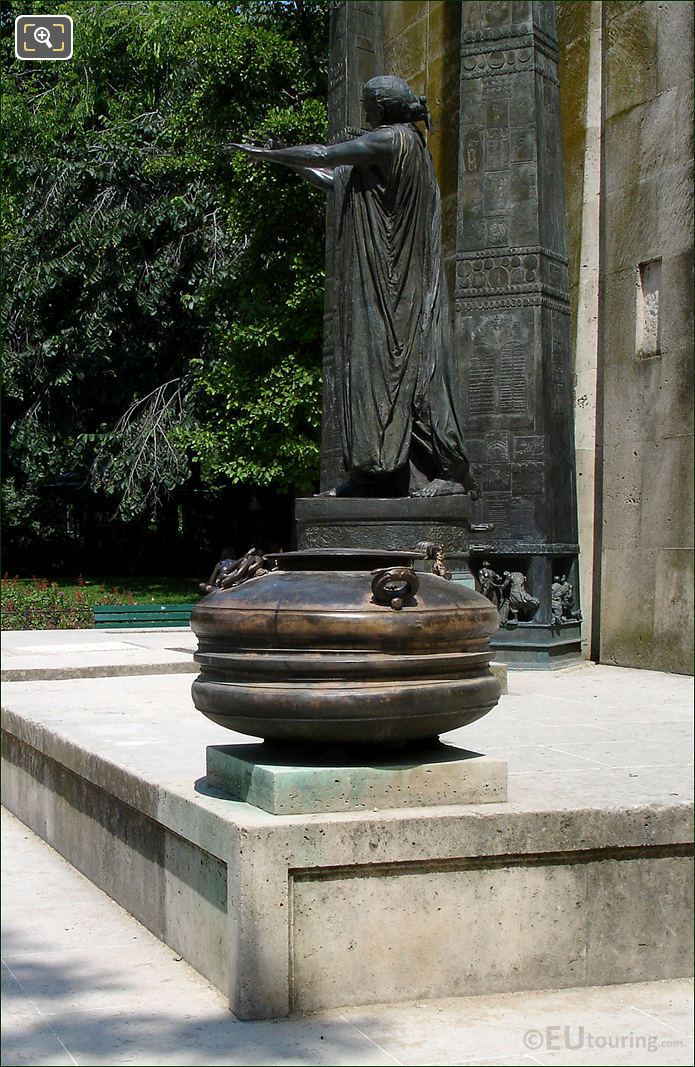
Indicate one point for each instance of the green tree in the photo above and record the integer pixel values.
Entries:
(162, 300)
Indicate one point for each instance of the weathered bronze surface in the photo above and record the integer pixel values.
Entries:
(562, 601)
(317, 650)
(229, 572)
(399, 405)
(508, 592)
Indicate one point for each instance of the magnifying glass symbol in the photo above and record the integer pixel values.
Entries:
(42, 36)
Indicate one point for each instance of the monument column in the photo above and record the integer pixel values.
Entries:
(512, 318)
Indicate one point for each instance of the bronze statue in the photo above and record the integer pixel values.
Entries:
(401, 433)
(516, 602)
(562, 601)
(491, 583)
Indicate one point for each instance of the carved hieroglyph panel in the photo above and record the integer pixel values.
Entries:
(499, 369)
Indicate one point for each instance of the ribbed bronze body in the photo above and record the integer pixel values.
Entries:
(342, 646)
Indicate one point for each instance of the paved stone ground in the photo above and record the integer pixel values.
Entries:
(30, 655)
(84, 983)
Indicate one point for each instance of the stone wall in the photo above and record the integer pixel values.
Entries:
(580, 68)
(631, 272)
(647, 560)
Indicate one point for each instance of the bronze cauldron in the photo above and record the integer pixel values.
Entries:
(344, 646)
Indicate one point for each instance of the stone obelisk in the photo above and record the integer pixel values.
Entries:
(513, 316)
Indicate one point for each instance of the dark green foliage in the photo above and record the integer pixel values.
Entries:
(162, 307)
(40, 604)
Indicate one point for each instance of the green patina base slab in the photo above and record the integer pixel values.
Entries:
(284, 781)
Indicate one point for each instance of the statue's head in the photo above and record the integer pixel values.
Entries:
(390, 99)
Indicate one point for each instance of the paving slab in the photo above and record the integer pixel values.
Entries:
(34, 655)
(72, 996)
(541, 1024)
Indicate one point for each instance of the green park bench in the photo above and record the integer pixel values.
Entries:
(129, 616)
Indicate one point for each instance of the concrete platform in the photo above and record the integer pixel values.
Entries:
(582, 878)
(286, 782)
(85, 983)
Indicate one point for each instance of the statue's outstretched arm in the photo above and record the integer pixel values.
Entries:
(371, 149)
(322, 177)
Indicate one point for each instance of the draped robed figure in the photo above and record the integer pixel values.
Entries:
(400, 424)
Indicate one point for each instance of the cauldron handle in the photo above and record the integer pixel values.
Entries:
(394, 586)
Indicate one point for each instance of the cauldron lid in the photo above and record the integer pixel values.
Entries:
(343, 558)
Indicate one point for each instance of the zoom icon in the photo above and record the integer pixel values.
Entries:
(43, 37)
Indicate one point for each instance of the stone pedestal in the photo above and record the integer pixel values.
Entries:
(286, 782)
(395, 523)
(582, 877)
